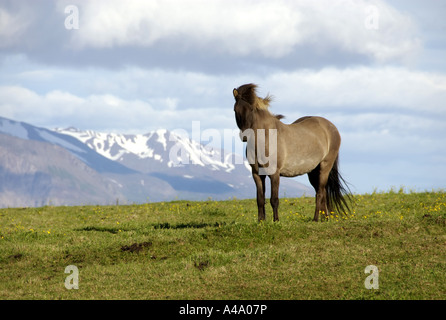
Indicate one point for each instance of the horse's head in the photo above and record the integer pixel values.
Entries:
(244, 105)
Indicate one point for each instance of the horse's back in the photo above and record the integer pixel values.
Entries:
(307, 141)
(302, 119)
(315, 123)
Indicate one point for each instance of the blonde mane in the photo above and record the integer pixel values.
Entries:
(262, 103)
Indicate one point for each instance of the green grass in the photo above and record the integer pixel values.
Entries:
(218, 250)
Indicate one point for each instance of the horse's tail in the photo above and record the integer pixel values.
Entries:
(338, 192)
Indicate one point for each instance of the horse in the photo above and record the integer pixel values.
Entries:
(310, 145)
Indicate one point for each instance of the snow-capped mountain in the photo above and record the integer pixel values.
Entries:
(195, 171)
(27, 131)
(156, 150)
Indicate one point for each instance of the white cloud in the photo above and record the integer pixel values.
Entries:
(202, 24)
(12, 26)
(164, 98)
(269, 28)
(359, 89)
(105, 112)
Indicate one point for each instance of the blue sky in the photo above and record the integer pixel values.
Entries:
(376, 69)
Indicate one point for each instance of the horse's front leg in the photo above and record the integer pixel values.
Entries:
(275, 180)
(260, 185)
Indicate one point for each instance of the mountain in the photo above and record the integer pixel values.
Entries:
(154, 151)
(36, 173)
(193, 171)
(77, 148)
(208, 172)
(156, 166)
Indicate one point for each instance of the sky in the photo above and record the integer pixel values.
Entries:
(376, 69)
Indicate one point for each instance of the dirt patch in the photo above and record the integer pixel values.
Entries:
(16, 256)
(438, 219)
(153, 257)
(201, 265)
(193, 225)
(136, 247)
(101, 229)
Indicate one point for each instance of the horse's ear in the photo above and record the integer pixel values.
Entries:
(235, 93)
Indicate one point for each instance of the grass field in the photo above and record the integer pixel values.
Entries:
(218, 250)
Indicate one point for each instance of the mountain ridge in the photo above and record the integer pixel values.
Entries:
(36, 173)
(157, 145)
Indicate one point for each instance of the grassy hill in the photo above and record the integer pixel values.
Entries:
(218, 250)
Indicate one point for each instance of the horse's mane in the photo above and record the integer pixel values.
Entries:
(248, 93)
(263, 103)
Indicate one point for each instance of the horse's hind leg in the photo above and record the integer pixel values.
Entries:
(318, 179)
(313, 176)
(260, 185)
(275, 181)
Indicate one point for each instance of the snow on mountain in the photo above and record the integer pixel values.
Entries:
(161, 146)
(26, 131)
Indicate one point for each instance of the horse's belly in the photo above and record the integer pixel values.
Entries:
(297, 168)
